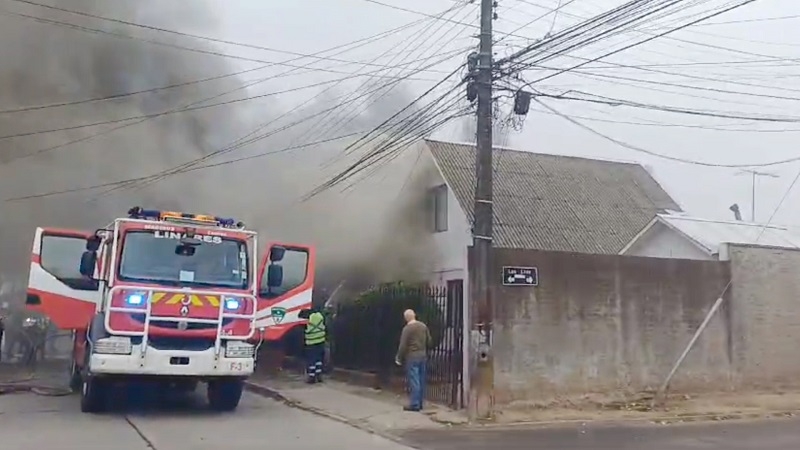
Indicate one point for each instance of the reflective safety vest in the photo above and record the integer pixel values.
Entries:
(315, 329)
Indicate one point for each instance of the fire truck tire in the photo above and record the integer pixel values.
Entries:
(93, 395)
(224, 395)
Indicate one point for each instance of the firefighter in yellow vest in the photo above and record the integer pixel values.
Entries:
(315, 346)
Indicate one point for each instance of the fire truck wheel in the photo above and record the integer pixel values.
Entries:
(224, 395)
(93, 395)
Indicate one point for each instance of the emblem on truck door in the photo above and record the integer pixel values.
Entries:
(278, 314)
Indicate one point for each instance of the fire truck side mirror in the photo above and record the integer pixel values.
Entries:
(92, 243)
(276, 253)
(274, 275)
(88, 261)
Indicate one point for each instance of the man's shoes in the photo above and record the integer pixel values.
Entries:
(318, 379)
(411, 408)
(311, 380)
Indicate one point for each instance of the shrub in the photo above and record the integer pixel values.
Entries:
(367, 328)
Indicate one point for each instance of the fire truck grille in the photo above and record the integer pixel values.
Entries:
(174, 325)
(174, 343)
(189, 325)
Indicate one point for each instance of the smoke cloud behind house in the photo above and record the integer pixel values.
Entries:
(379, 224)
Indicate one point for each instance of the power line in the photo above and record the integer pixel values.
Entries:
(364, 161)
(653, 37)
(244, 141)
(343, 121)
(685, 86)
(189, 49)
(687, 41)
(223, 163)
(763, 19)
(178, 33)
(671, 109)
(675, 125)
(342, 48)
(656, 154)
(172, 111)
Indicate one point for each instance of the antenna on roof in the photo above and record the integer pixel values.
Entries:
(736, 213)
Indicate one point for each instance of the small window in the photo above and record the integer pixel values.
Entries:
(61, 257)
(439, 199)
(295, 272)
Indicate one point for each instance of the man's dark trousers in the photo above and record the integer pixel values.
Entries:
(315, 355)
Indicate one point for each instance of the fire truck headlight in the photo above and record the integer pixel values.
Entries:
(135, 299)
(114, 345)
(232, 304)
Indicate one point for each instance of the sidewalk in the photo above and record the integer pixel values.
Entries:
(368, 409)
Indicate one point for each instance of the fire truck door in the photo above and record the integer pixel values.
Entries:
(284, 289)
(56, 287)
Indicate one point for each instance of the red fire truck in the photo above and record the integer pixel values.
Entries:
(169, 297)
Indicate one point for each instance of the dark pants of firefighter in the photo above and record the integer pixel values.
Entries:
(315, 355)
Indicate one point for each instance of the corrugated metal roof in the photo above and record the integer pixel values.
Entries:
(555, 202)
(711, 233)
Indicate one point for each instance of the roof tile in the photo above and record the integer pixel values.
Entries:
(554, 202)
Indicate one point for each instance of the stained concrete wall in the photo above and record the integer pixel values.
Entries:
(606, 323)
(766, 316)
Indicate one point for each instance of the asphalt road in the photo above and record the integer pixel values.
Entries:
(140, 422)
(774, 434)
(31, 421)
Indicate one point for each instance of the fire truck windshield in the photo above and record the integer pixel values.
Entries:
(151, 256)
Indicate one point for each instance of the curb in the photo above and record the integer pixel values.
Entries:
(274, 394)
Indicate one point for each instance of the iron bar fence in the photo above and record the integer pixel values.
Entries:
(366, 332)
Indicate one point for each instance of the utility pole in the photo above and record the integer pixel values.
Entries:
(481, 396)
(755, 173)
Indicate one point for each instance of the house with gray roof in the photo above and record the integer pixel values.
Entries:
(541, 201)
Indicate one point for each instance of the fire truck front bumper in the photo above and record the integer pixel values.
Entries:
(120, 358)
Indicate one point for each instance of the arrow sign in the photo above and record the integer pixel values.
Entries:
(520, 276)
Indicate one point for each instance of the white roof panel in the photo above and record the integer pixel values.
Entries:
(711, 233)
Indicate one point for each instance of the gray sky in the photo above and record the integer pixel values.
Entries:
(698, 59)
(752, 52)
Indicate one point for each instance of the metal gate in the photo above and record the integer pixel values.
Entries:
(366, 332)
(445, 383)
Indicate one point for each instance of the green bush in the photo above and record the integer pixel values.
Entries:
(375, 318)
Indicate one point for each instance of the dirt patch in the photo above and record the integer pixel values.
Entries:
(676, 408)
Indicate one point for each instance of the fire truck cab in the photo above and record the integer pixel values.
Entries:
(169, 297)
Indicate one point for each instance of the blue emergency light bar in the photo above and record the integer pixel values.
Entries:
(179, 217)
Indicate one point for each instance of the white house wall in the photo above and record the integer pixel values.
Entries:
(451, 245)
(664, 242)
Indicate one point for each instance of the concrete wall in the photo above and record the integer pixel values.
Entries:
(766, 316)
(599, 323)
(661, 241)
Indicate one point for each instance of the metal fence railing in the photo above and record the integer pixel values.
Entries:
(366, 332)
